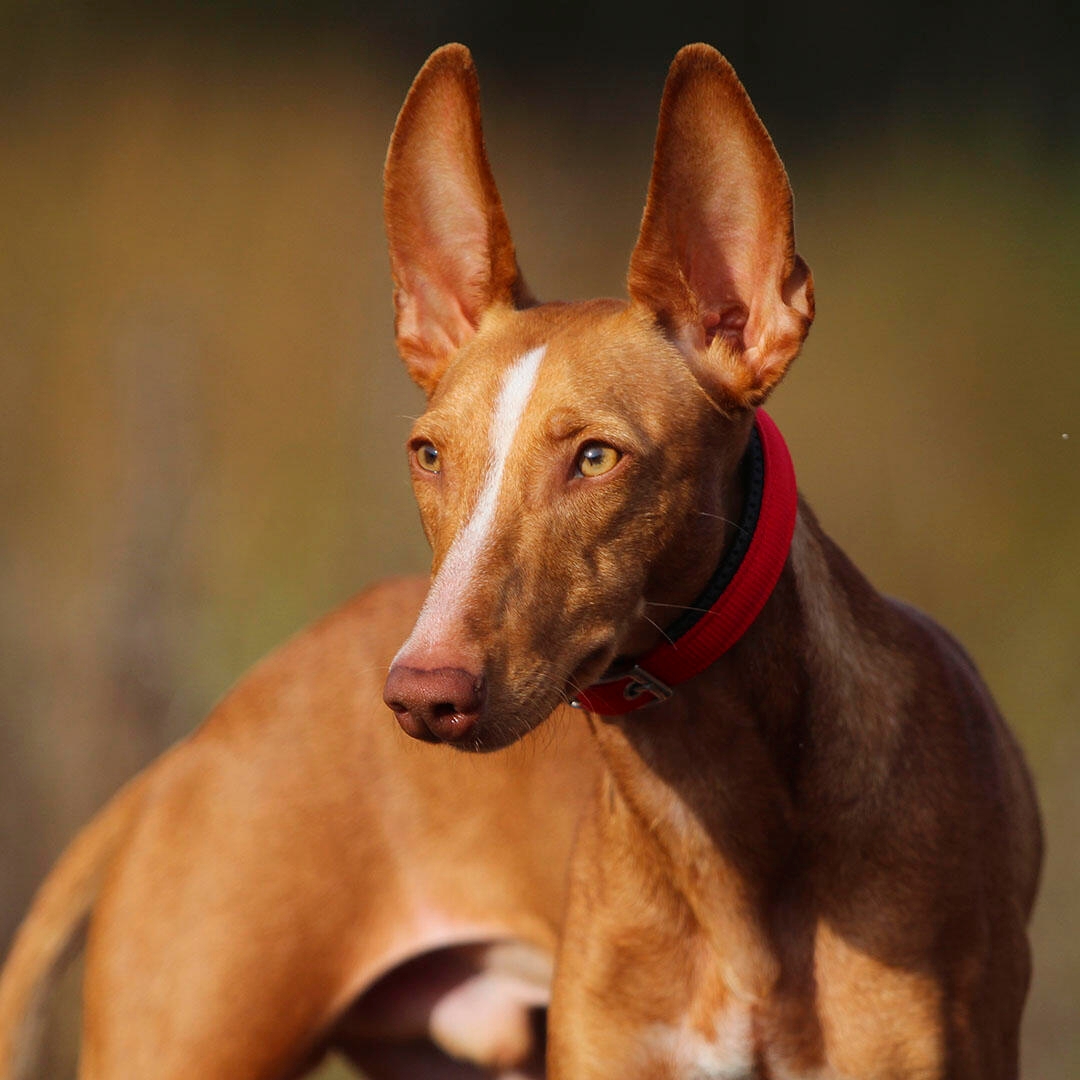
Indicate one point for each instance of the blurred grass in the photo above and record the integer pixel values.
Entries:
(202, 417)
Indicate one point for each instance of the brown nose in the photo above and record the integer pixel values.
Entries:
(440, 704)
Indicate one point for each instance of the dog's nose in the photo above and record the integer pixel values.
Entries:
(440, 704)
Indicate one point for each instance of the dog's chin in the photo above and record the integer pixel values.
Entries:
(590, 670)
(500, 727)
(486, 740)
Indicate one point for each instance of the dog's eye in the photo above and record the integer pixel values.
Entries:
(596, 459)
(427, 457)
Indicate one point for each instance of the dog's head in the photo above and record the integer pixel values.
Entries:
(576, 462)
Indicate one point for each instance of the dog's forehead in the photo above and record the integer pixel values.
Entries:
(597, 350)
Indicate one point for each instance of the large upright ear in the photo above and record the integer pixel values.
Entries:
(451, 255)
(715, 259)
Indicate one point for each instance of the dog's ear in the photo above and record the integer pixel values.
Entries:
(715, 259)
(451, 255)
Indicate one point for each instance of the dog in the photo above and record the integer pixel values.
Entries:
(786, 834)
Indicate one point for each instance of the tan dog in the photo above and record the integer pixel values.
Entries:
(816, 855)
(814, 859)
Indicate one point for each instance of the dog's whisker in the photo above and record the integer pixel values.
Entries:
(557, 685)
(675, 607)
(725, 520)
(667, 637)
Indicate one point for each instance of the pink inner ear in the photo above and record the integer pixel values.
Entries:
(728, 325)
(450, 250)
(430, 322)
(445, 275)
(715, 256)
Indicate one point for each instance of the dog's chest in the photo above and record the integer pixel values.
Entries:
(683, 1052)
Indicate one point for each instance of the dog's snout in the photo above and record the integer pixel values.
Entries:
(440, 704)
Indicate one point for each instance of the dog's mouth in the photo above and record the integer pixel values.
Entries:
(471, 713)
(588, 671)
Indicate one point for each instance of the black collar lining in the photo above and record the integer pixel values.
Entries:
(753, 470)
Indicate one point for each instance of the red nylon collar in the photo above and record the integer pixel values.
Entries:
(672, 662)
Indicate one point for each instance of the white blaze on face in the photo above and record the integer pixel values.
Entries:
(452, 582)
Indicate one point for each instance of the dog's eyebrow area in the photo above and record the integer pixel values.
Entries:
(572, 423)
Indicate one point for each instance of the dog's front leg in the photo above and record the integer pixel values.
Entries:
(637, 993)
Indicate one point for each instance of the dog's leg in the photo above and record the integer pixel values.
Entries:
(227, 933)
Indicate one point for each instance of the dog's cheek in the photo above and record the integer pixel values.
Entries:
(428, 509)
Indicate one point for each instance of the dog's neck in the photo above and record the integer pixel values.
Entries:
(719, 782)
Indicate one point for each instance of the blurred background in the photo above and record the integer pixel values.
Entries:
(202, 415)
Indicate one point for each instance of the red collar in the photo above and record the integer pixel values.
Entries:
(745, 580)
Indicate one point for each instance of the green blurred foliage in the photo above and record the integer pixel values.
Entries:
(202, 417)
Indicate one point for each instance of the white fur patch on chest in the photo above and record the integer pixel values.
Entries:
(688, 1054)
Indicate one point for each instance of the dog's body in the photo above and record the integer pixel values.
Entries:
(844, 897)
(815, 859)
(261, 876)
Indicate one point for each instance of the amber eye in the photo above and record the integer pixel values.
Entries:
(427, 457)
(596, 459)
